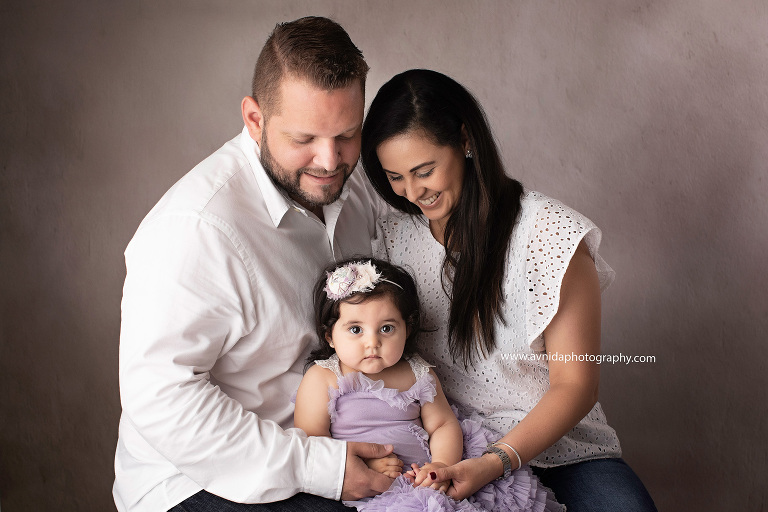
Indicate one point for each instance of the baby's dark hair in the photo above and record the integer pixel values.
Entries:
(403, 293)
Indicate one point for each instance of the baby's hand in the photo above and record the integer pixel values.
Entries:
(422, 476)
(389, 465)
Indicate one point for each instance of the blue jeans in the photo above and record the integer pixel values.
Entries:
(206, 502)
(602, 485)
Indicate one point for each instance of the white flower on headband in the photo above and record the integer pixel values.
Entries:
(351, 278)
(367, 277)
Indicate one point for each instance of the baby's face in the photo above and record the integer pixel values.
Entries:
(370, 336)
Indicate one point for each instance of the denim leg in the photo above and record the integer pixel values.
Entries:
(206, 502)
(602, 485)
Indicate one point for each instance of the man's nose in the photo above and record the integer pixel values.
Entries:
(328, 154)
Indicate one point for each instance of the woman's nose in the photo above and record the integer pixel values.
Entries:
(412, 192)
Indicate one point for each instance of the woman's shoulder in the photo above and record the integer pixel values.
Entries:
(537, 206)
(400, 234)
(397, 222)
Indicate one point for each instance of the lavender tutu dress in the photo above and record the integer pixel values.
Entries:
(364, 410)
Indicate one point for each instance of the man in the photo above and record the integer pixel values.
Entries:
(217, 307)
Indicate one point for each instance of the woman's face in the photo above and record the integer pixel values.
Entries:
(429, 176)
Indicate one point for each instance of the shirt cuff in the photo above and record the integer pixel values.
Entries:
(326, 462)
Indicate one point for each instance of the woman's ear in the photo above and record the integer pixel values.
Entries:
(465, 145)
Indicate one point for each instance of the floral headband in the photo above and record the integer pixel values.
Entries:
(352, 278)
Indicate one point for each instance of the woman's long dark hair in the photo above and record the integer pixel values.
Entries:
(478, 231)
(399, 286)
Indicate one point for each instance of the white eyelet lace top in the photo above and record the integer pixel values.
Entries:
(504, 387)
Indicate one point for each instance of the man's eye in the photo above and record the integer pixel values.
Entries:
(355, 329)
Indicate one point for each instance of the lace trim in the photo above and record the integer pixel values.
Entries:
(419, 366)
(332, 363)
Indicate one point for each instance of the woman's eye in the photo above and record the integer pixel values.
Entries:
(426, 174)
(386, 329)
(394, 178)
(355, 329)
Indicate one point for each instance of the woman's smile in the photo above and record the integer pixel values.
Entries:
(430, 201)
(428, 175)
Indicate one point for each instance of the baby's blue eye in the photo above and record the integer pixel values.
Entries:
(386, 329)
(355, 329)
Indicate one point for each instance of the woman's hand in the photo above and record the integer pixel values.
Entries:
(469, 475)
(389, 465)
(421, 476)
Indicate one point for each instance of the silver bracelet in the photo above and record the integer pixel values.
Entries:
(505, 462)
(519, 460)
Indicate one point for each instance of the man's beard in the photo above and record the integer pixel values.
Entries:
(290, 181)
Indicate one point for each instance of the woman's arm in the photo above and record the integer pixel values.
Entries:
(573, 385)
(445, 437)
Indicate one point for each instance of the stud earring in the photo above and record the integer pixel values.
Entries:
(469, 153)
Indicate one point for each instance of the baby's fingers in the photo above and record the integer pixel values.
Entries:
(425, 479)
(441, 486)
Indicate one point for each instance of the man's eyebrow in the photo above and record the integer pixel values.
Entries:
(431, 162)
(350, 131)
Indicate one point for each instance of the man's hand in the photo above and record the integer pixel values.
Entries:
(359, 480)
(389, 465)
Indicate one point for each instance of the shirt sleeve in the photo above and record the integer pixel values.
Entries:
(188, 298)
(554, 234)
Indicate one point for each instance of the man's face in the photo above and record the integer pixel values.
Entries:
(310, 146)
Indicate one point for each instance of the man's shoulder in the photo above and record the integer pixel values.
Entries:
(197, 189)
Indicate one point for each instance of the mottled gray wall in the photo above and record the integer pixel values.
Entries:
(651, 117)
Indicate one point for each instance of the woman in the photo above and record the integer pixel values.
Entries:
(511, 281)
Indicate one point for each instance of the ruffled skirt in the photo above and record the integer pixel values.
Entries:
(521, 492)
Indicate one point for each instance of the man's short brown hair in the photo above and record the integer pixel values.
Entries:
(315, 49)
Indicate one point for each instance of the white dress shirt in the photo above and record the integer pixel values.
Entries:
(216, 324)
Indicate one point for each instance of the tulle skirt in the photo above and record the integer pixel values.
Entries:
(521, 492)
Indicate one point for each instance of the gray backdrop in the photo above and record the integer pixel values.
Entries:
(650, 117)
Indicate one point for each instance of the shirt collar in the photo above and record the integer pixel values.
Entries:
(277, 202)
